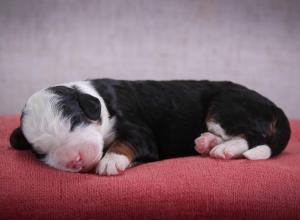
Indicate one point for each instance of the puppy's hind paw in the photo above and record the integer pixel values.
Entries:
(260, 152)
(206, 142)
(230, 149)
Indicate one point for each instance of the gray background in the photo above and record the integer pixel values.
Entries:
(253, 42)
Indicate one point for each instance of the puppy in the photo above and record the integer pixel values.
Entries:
(113, 124)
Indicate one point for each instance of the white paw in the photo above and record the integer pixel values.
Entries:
(230, 149)
(260, 152)
(112, 164)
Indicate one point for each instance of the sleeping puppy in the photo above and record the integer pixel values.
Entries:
(113, 124)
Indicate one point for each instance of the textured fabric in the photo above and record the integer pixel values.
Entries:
(183, 188)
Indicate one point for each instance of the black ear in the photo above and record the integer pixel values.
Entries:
(18, 140)
(90, 105)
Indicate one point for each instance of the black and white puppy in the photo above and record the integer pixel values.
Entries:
(112, 124)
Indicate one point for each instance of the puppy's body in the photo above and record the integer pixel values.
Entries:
(155, 120)
(161, 119)
(164, 118)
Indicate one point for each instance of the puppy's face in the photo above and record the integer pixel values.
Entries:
(63, 126)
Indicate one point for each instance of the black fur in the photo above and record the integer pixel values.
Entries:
(18, 140)
(161, 119)
(90, 106)
(80, 108)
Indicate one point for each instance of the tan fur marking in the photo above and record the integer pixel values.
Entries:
(122, 148)
(272, 130)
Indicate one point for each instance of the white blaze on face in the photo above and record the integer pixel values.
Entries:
(49, 132)
(84, 144)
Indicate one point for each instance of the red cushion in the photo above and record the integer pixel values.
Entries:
(191, 187)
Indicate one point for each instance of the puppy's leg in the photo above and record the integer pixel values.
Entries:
(206, 142)
(249, 125)
(135, 145)
(118, 157)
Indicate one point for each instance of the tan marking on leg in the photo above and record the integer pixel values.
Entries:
(122, 148)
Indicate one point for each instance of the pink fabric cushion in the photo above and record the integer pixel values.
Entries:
(183, 188)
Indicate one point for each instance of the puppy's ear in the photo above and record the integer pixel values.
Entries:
(90, 105)
(18, 140)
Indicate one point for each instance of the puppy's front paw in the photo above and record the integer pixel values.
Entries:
(112, 164)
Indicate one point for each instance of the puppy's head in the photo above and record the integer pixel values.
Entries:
(65, 126)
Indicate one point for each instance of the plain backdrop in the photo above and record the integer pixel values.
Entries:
(252, 42)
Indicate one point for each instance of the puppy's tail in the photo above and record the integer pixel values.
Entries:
(278, 136)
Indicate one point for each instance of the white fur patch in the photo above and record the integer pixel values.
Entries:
(112, 164)
(230, 149)
(260, 152)
(84, 141)
(216, 129)
(41, 124)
